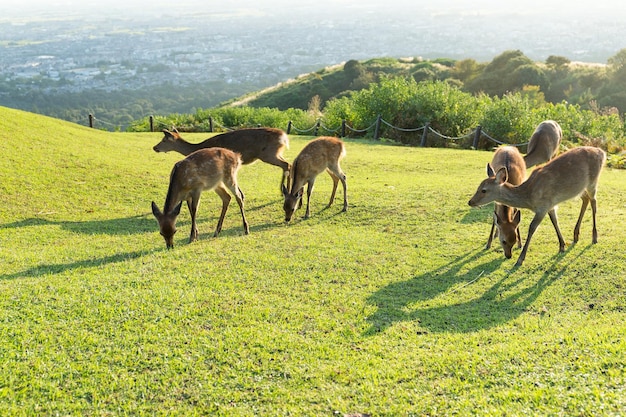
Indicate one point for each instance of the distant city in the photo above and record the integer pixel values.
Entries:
(52, 51)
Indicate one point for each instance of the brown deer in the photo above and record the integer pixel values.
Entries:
(573, 173)
(506, 218)
(206, 169)
(544, 143)
(265, 143)
(323, 153)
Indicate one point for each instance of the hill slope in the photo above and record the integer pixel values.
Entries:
(393, 308)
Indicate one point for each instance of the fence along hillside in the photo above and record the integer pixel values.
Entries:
(475, 139)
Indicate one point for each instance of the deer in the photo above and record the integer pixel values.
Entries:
(319, 155)
(265, 143)
(206, 169)
(506, 219)
(571, 174)
(544, 143)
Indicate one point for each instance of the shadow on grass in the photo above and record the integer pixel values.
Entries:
(505, 300)
(483, 214)
(140, 223)
(47, 269)
(137, 224)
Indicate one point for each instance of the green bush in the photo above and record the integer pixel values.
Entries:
(406, 106)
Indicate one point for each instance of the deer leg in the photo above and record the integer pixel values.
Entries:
(531, 230)
(335, 182)
(491, 233)
(192, 204)
(555, 223)
(583, 208)
(345, 192)
(594, 236)
(240, 198)
(309, 190)
(286, 173)
(337, 174)
(221, 191)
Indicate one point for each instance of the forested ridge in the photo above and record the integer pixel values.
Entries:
(599, 87)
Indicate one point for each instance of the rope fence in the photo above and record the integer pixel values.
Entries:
(344, 129)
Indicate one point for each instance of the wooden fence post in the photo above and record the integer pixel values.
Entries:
(377, 127)
(477, 136)
(425, 134)
(91, 119)
(343, 128)
(210, 124)
(289, 127)
(317, 127)
(151, 123)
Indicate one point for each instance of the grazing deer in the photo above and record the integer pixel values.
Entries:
(323, 153)
(206, 169)
(544, 143)
(506, 218)
(573, 173)
(265, 143)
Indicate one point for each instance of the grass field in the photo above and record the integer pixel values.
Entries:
(390, 309)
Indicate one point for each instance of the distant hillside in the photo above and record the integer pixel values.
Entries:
(330, 82)
(593, 86)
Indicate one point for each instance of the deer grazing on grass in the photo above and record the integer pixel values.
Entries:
(573, 173)
(506, 218)
(206, 169)
(323, 153)
(544, 143)
(266, 144)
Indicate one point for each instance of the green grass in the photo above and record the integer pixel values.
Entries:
(392, 308)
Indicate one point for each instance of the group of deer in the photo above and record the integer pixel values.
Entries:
(571, 174)
(214, 163)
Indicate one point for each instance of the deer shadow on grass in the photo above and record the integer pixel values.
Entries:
(137, 224)
(51, 269)
(505, 300)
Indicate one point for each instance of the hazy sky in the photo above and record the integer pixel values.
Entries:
(496, 25)
(545, 7)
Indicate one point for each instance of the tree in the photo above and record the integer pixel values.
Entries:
(618, 61)
(528, 74)
(557, 62)
(465, 70)
(495, 77)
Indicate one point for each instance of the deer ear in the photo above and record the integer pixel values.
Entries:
(502, 175)
(300, 192)
(155, 210)
(496, 217)
(285, 191)
(490, 172)
(517, 217)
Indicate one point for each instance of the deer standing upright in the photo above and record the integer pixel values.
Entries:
(319, 155)
(265, 143)
(571, 174)
(544, 143)
(506, 218)
(206, 169)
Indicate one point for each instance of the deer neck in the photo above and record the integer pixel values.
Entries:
(532, 159)
(515, 196)
(185, 147)
(173, 196)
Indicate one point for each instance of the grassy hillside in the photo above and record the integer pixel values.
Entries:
(392, 308)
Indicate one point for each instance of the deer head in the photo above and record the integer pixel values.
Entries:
(167, 223)
(292, 202)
